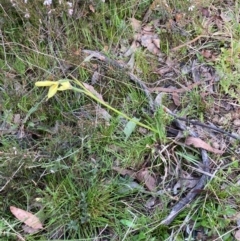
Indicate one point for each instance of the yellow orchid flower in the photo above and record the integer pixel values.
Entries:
(54, 86)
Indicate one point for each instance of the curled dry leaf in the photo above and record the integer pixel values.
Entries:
(145, 177)
(197, 142)
(28, 218)
(92, 8)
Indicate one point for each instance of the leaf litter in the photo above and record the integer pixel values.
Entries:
(146, 36)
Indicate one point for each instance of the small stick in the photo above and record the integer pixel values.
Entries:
(189, 42)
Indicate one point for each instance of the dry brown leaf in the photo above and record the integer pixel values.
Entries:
(92, 8)
(145, 177)
(136, 24)
(197, 142)
(148, 40)
(176, 98)
(28, 218)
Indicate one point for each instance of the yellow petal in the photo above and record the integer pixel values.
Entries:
(46, 83)
(52, 90)
(65, 86)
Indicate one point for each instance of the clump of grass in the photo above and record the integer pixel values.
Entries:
(75, 205)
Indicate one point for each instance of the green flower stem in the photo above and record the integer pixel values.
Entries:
(92, 96)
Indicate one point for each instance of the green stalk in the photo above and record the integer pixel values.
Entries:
(92, 96)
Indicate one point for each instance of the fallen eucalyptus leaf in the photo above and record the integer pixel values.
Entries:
(28, 218)
(197, 142)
